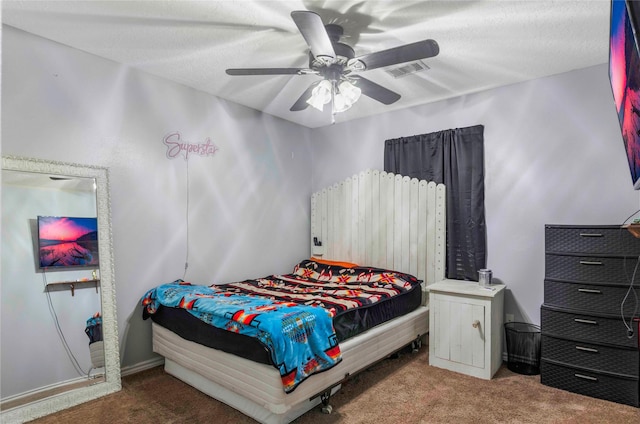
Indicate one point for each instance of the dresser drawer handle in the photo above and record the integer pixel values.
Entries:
(590, 235)
(590, 291)
(587, 349)
(585, 321)
(585, 377)
(590, 263)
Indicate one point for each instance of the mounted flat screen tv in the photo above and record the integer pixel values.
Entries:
(624, 75)
(67, 242)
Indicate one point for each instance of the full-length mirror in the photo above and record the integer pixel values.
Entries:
(58, 328)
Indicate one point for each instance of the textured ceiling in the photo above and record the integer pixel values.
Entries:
(46, 181)
(483, 44)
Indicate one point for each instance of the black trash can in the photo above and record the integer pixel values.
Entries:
(523, 347)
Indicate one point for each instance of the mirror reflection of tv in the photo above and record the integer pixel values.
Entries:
(624, 75)
(66, 243)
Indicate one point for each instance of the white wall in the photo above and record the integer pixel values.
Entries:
(248, 203)
(553, 155)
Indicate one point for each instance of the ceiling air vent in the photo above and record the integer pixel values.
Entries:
(407, 69)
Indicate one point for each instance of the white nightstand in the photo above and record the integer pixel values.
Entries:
(465, 327)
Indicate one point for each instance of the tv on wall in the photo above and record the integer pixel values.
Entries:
(624, 75)
(67, 242)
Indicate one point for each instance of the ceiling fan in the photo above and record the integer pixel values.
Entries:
(338, 66)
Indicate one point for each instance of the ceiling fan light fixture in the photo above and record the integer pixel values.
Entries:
(341, 103)
(321, 95)
(345, 95)
(316, 103)
(349, 91)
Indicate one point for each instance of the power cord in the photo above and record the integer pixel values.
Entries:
(624, 300)
(186, 260)
(630, 290)
(54, 315)
(629, 217)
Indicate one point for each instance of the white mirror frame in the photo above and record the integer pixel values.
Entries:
(112, 382)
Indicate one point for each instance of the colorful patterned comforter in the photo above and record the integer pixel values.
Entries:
(290, 314)
(335, 288)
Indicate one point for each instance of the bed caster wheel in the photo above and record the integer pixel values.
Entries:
(416, 345)
(325, 397)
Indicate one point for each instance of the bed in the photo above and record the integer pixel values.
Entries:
(393, 224)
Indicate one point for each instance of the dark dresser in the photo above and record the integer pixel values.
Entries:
(586, 347)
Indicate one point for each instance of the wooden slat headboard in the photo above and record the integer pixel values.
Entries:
(384, 220)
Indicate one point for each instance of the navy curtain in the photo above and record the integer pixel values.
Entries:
(454, 157)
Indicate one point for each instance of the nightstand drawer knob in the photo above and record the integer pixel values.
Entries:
(476, 324)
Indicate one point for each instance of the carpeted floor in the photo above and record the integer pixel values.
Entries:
(401, 390)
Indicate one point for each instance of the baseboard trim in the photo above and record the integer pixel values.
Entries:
(141, 366)
(40, 393)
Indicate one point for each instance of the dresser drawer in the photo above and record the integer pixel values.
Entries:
(588, 268)
(591, 356)
(595, 384)
(612, 240)
(590, 328)
(590, 297)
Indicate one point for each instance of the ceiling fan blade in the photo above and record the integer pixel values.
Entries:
(268, 71)
(407, 53)
(301, 103)
(314, 33)
(375, 91)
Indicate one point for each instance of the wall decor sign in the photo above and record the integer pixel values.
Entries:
(176, 146)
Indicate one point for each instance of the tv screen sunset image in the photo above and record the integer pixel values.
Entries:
(624, 73)
(67, 242)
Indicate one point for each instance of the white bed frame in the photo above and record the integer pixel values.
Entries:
(374, 219)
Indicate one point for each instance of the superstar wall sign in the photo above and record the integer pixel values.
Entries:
(176, 147)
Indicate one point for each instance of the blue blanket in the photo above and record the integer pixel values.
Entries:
(301, 339)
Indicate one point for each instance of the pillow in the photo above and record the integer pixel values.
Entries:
(334, 263)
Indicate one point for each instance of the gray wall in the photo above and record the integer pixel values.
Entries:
(553, 155)
(248, 203)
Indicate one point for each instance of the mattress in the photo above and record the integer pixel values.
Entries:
(359, 298)
(256, 389)
(347, 325)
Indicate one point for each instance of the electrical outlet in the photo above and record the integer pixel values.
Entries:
(509, 317)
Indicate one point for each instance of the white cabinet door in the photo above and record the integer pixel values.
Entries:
(465, 327)
(460, 336)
